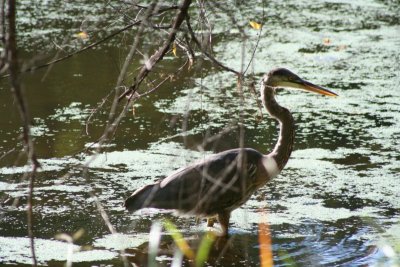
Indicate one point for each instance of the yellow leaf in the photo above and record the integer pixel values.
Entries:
(255, 25)
(326, 41)
(82, 35)
(174, 49)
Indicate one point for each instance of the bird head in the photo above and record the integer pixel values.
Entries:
(282, 77)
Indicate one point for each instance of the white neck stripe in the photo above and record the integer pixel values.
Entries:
(270, 166)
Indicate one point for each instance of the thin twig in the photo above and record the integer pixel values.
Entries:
(113, 121)
(253, 91)
(34, 68)
(5, 154)
(254, 52)
(215, 61)
(99, 106)
(166, 79)
(110, 127)
(211, 139)
(231, 15)
(163, 8)
(160, 53)
(258, 41)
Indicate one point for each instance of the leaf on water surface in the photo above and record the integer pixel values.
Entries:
(326, 41)
(255, 25)
(82, 35)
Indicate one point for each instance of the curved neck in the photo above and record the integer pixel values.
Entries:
(284, 146)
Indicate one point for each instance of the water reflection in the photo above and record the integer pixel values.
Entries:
(313, 244)
(223, 252)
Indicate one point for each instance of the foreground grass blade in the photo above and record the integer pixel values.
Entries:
(179, 240)
(285, 257)
(204, 248)
(154, 243)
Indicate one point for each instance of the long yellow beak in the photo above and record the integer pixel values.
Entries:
(305, 85)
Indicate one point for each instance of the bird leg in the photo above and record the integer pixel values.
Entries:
(223, 219)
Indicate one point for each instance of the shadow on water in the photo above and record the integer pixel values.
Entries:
(335, 204)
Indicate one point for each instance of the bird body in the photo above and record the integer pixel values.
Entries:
(204, 188)
(220, 183)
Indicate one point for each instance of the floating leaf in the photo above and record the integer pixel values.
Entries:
(255, 25)
(82, 35)
(326, 41)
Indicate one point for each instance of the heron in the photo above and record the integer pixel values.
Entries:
(217, 185)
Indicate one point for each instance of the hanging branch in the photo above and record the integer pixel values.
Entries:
(88, 47)
(213, 59)
(13, 68)
(160, 53)
(144, 71)
(115, 120)
(218, 8)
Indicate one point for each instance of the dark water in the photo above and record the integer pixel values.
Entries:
(337, 203)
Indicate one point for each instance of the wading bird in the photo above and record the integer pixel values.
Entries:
(217, 185)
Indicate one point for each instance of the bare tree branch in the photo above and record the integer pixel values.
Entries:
(2, 35)
(160, 53)
(113, 120)
(13, 67)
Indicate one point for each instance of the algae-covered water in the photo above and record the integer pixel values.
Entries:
(337, 203)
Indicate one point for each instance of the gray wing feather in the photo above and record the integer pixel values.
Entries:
(217, 183)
